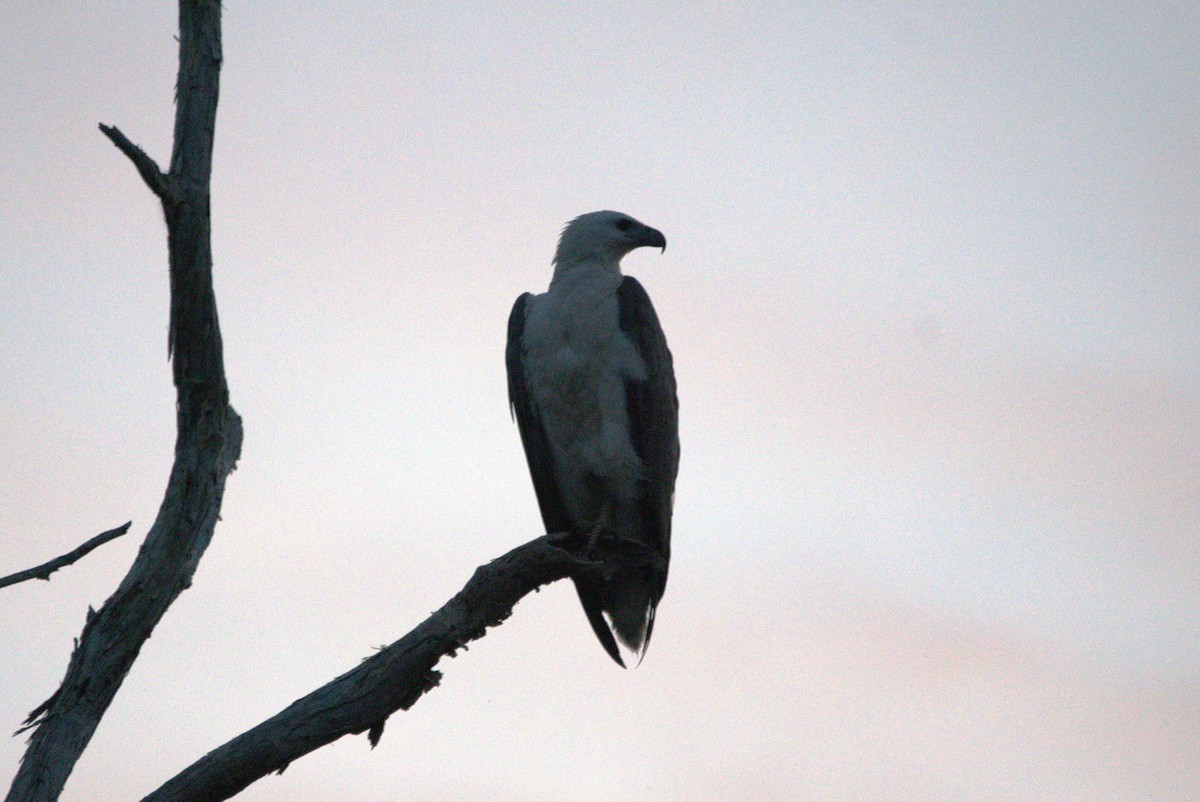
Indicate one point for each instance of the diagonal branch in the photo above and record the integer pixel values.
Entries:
(44, 570)
(393, 679)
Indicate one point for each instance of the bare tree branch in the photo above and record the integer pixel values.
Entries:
(208, 439)
(150, 173)
(44, 570)
(393, 679)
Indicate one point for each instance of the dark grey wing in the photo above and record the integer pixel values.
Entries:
(653, 409)
(541, 467)
(529, 422)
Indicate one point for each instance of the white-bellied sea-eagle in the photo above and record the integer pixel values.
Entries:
(592, 388)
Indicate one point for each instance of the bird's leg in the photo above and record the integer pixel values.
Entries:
(601, 527)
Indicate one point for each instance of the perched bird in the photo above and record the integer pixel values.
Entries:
(592, 387)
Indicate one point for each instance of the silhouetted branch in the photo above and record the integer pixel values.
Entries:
(44, 570)
(393, 679)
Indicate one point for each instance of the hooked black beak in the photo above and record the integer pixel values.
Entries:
(655, 238)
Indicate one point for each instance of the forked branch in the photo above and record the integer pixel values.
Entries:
(208, 431)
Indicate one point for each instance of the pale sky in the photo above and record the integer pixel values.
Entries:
(933, 294)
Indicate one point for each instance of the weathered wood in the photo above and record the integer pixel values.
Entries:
(392, 679)
(44, 570)
(208, 438)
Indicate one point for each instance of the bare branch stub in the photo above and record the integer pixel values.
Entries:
(44, 570)
(154, 177)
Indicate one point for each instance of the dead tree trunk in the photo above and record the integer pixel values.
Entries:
(208, 438)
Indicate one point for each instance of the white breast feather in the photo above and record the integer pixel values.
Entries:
(577, 361)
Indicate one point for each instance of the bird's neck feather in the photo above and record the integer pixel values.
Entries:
(568, 265)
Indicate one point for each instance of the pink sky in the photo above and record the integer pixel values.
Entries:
(933, 298)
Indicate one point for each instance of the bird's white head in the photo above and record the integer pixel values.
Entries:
(603, 237)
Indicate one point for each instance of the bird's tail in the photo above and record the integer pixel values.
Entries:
(629, 605)
(623, 605)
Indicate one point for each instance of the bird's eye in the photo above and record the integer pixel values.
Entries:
(624, 223)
